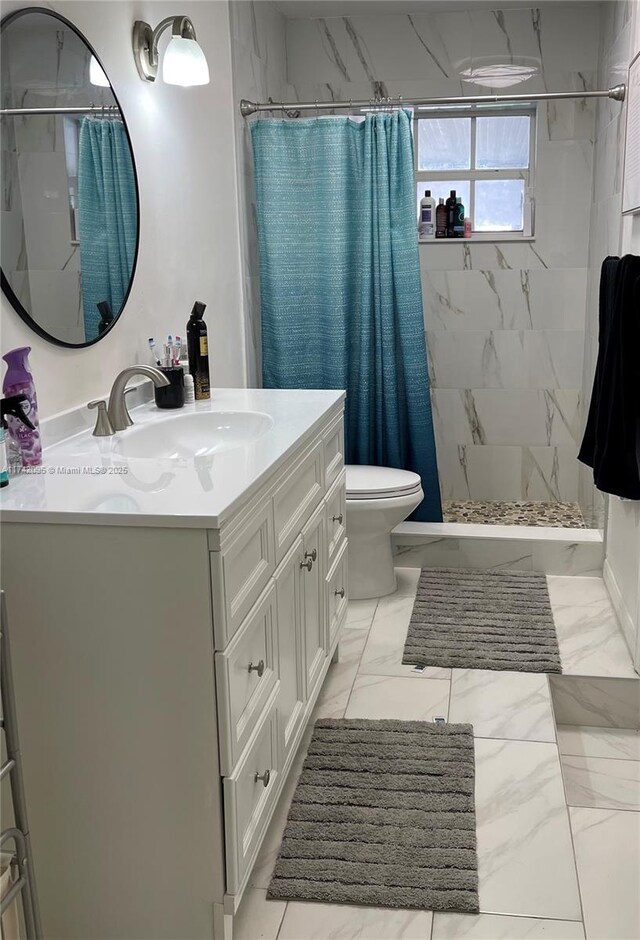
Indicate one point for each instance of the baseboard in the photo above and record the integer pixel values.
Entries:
(625, 618)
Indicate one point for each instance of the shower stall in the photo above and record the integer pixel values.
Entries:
(510, 313)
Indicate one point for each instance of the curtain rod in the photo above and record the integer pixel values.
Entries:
(92, 109)
(251, 107)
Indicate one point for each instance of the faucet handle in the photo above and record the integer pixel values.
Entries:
(103, 426)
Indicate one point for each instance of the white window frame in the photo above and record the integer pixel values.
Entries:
(473, 174)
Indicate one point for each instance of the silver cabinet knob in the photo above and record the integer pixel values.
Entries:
(337, 519)
(307, 564)
(265, 777)
(312, 555)
(259, 668)
(339, 593)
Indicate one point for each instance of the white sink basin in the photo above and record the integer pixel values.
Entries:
(193, 435)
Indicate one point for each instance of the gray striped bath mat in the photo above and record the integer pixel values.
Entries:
(483, 620)
(383, 814)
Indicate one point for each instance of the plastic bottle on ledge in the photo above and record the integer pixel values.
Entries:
(458, 223)
(427, 226)
(441, 220)
(450, 205)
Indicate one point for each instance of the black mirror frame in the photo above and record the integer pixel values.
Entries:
(6, 287)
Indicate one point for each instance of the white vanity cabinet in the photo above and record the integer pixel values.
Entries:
(164, 677)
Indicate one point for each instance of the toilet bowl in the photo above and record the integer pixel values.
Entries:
(378, 499)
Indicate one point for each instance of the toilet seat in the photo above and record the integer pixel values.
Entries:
(364, 482)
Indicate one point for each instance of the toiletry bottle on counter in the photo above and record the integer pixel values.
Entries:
(19, 381)
(441, 220)
(467, 227)
(11, 406)
(458, 222)
(189, 389)
(451, 213)
(427, 227)
(198, 348)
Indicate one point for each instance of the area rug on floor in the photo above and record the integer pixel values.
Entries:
(483, 620)
(383, 814)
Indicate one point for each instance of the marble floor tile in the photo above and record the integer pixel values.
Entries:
(601, 702)
(590, 639)
(525, 856)
(257, 918)
(607, 844)
(346, 922)
(501, 927)
(620, 743)
(602, 783)
(385, 644)
(336, 689)
(503, 704)
(360, 614)
(403, 699)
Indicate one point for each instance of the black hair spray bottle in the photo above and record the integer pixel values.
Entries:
(198, 350)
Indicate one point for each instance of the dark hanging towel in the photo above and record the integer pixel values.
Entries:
(611, 443)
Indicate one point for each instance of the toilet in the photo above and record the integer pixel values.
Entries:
(378, 499)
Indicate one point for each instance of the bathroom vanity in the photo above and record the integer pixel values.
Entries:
(175, 595)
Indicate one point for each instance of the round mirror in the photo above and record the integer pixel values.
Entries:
(70, 207)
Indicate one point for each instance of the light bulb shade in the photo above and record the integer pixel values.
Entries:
(96, 74)
(184, 63)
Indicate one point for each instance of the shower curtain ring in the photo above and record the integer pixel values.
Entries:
(317, 110)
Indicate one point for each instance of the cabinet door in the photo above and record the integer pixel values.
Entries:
(291, 649)
(312, 576)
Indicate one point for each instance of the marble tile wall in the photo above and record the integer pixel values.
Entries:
(259, 72)
(614, 54)
(505, 320)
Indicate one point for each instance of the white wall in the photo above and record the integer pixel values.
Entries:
(612, 234)
(259, 73)
(504, 320)
(183, 142)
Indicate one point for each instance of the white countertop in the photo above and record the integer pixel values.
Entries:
(84, 479)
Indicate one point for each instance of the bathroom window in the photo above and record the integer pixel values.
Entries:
(487, 157)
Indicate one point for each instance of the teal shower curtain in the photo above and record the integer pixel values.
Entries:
(340, 281)
(108, 213)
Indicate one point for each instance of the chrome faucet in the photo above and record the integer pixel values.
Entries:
(115, 416)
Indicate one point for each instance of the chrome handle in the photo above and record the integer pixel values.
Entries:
(103, 426)
(307, 564)
(337, 519)
(259, 668)
(339, 593)
(312, 555)
(265, 777)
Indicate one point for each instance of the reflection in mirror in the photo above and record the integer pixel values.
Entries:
(69, 222)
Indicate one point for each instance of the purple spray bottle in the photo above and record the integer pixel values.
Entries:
(19, 381)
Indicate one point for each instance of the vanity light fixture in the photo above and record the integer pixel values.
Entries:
(96, 74)
(184, 61)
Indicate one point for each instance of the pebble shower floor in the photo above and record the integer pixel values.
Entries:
(558, 515)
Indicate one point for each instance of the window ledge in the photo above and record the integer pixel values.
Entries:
(481, 239)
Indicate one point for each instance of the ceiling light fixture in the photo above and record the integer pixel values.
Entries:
(184, 61)
(498, 75)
